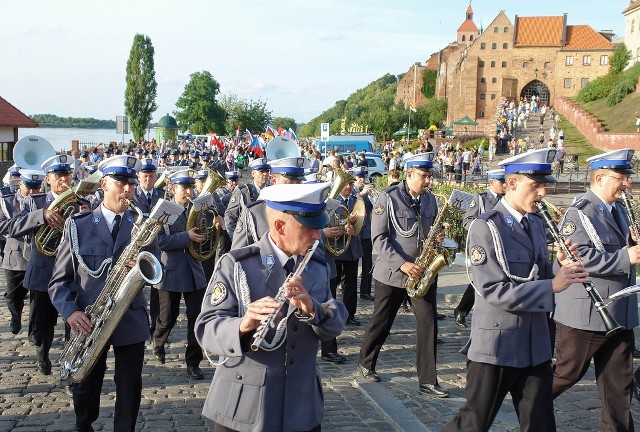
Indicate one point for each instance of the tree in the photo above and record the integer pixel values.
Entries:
(619, 59)
(429, 77)
(141, 90)
(200, 112)
(251, 115)
(285, 123)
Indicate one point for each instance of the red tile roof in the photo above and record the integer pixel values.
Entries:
(632, 6)
(539, 31)
(12, 117)
(583, 37)
(468, 26)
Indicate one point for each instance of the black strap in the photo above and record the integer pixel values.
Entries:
(116, 228)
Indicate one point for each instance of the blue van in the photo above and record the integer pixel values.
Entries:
(348, 143)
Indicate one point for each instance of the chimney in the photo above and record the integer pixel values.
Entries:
(563, 42)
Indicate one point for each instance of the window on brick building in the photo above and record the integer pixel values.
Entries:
(505, 45)
(464, 38)
(483, 80)
(481, 114)
(547, 65)
(525, 65)
(494, 80)
(481, 63)
(504, 64)
(506, 29)
(584, 82)
(633, 24)
(481, 96)
(493, 96)
(470, 37)
(493, 64)
(604, 60)
(495, 29)
(483, 45)
(586, 60)
(494, 45)
(568, 60)
(567, 83)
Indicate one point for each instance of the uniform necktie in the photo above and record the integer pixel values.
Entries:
(116, 227)
(527, 228)
(149, 197)
(289, 265)
(617, 217)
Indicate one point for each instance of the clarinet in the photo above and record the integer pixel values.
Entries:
(626, 200)
(281, 297)
(612, 326)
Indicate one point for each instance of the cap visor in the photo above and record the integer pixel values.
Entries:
(124, 178)
(542, 178)
(624, 171)
(316, 222)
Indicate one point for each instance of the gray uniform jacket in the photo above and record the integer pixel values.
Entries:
(72, 288)
(140, 199)
(251, 225)
(354, 251)
(509, 326)
(609, 269)
(39, 267)
(276, 390)
(15, 249)
(481, 203)
(240, 197)
(394, 248)
(182, 272)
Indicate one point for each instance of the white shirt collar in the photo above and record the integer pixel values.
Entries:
(606, 204)
(280, 254)
(109, 216)
(516, 214)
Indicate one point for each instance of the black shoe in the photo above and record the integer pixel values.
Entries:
(369, 375)
(636, 352)
(44, 367)
(68, 389)
(16, 326)
(367, 297)
(434, 390)
(460, 319)
(353, 321)
(440, 316)
(160, 354)
(195, 372)
(334, 358)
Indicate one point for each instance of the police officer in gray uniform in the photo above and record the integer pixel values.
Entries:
(275, 388)
(16, 250)
(252, 223)
(183, 277)
(43, 315)
(509, 351)
(245, 194)
(402, 218)
(76, 284)
(599, 225)
(482, 202)
(363, 189)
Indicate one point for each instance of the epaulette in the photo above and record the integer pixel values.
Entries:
(244, 252)
(390, 188)
(39, 194)
(253, 203)
(487, 215)
(7, 195)
(80, 214)
(580, 204)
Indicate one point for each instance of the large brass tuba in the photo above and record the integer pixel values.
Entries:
(203, 216)
(338, 214)
(48, 238)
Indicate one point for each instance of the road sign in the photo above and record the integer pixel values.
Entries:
(122, 124)
(324, 131)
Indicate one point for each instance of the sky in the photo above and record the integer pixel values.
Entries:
(68, 57)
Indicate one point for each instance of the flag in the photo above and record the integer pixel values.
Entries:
(293, 134)
(412, 107)
(238, 135)
(285, 132)
(268, 134)
(216, 141)
(256, 147)
(248, 135)
(273, 131)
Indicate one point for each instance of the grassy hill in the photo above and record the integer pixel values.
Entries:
(618, 118)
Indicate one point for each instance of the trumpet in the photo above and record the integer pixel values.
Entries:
(281, 297)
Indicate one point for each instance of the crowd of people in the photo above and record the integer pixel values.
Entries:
(284, 277)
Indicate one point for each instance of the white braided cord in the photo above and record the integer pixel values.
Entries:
(396, 225)
(591, 231)
(70, 227)
(249, 223)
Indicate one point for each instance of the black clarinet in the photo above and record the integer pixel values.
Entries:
(612, 326)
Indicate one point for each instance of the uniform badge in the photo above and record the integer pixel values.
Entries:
(233, 199)
(509, 221)
(379, 209)
(569, 228)
(218, 294)
(473, 204)
(130, 218)
(478, 255)
(238, 227)
(600, 208)
(96, 220)
(269, 261)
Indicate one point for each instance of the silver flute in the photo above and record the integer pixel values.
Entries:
(281, 297)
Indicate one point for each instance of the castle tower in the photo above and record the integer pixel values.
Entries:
(468, 31)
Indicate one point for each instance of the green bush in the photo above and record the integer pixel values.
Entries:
(622, 88)
(597, 89)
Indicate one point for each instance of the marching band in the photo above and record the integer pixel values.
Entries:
(288, 241)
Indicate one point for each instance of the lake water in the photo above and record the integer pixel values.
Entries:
(61, 138)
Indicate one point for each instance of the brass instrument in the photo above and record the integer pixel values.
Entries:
(433, 257)
(199, 217)
(556, 212)
(339, 214)
(610, 323)
(47, 238)
(281, 297)
(122, 284)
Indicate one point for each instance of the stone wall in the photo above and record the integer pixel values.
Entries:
(591, 128)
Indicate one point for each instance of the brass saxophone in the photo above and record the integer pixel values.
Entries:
(123, 283)
(47, 238)
(199, 217)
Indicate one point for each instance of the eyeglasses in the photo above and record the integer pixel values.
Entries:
(623, 180)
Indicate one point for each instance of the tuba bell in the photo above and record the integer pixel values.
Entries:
(282, 147)
(202, 216)
(47, 238)
(31, 151)
(339, 214)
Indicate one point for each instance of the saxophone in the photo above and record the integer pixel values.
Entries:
(123, 283)
(433, 256)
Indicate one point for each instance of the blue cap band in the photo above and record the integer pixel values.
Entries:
(529, 167)
(496, 176)
(614, 164)
(294, 206)
(58, 167)
(189, 180)
(149, 167)
(287, 170)
(261, 167)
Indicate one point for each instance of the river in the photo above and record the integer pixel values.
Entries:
(61, 138)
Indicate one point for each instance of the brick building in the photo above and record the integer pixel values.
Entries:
(632, 30)
(541, 56)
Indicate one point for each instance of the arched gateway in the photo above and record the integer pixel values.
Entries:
(536, 88)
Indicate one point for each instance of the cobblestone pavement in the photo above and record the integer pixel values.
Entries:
(170, 402)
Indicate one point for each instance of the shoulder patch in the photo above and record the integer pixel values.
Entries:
(473, 204)
(478, 255)
(568, 228)
(378, 209)
(218, 294)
